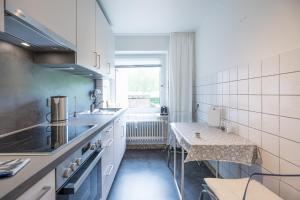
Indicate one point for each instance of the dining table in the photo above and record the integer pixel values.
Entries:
(202, 142)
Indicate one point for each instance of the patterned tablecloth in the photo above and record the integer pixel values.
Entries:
(213, 144)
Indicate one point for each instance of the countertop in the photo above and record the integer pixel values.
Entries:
(40, 165)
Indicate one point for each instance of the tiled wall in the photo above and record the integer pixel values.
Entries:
(261, 99)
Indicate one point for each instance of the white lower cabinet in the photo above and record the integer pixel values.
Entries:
(44, 189)
(114, 143)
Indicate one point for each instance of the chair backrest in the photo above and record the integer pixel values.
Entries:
(266, 174)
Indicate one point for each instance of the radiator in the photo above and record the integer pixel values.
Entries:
(147, 131)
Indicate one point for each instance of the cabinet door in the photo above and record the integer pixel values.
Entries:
(101, 40)
(86, 33)
(43, 189)
(58, 16)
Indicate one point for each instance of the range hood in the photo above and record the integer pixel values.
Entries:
(21, 28)
(49, 49)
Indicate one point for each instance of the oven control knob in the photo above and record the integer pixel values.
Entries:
(93, 147)
(78, 161)
(67, 172)
(73, 166)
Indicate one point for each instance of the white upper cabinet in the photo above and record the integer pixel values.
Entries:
(57, 15)
(101, 40)
(86, 34)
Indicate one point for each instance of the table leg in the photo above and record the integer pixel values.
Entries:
(182, 173)
(217, 170)
(174, 171)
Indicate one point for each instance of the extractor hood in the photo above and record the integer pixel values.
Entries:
(20, 28)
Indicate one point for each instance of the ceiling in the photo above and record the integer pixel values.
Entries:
(156, 16)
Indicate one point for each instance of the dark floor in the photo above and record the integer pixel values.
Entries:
(144, 175)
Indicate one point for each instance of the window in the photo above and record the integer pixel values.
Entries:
(138, 87)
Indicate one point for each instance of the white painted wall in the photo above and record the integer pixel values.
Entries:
(248, 63)
(239, 31)
(142, 43)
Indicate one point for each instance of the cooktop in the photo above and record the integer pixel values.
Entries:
(41, 139)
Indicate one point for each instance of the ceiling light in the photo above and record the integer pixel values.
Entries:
(25, 44)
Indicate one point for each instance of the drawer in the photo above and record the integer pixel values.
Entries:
(44, 189)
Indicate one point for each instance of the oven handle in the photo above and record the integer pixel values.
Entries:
(71, 188)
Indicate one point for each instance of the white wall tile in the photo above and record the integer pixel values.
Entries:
(255, 86)
(226, 76)
(243, 131)
(220, 77)
(243, 102)
(243, 87)
(255, 136)
(255, 69)
(219, 88)
(255, 103)
(290, 61)
(226, 100)
(219, 100)
(290, 106)
(233, 87)
(289, 151)
(270, 85)
(270, 162)
(270, 143)
(226, 88)
(255, 120)
(233, 101)
(289, 168)
(270, 66)
(289, 128)
(270, 104)
(243, 72)
(233, 116)
(290, 84)
(270, 124)
(288, 193)
(243, 117)
(233, 74)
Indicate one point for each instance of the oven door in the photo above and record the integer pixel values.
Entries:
(85, 184)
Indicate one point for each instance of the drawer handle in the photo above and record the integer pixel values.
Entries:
(44, 191)
(95, 61)
(109, 170)
(109, 143)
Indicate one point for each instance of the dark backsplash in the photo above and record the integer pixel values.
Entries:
(25, 87)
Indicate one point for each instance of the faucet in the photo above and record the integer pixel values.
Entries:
(95, 105)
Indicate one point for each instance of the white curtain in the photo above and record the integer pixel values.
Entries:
(181, 69)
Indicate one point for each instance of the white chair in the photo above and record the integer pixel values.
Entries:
(240, 189)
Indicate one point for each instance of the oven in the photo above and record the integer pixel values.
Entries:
(86, 182)
(79, 175)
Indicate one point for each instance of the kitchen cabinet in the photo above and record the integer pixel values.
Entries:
(107, 160)
(95, 39)
(86, 34)
(120, 141)
(58, 16)
(44, 189)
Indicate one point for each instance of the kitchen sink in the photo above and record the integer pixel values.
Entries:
(102, 111)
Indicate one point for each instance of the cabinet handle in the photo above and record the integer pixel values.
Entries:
(95, 59)
(108, 144)
(44, 191)
(108, 68)
(99, 59)
(110, 170)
